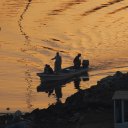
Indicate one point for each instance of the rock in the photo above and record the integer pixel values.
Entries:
(20, 124)
(17, 116)
(118, 75)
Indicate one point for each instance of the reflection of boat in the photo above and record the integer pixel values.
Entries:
(51, 87)
(66, 73)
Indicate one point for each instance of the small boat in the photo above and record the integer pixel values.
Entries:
(65, 73)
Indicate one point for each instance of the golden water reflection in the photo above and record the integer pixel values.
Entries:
(31, 31)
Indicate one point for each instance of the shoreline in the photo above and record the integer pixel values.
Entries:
(90, 108)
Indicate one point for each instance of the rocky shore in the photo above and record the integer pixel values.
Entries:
(89, 108)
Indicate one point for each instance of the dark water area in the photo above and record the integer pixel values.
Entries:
(32, 31)
(55, 88)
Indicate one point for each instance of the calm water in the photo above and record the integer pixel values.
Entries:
(31, 31)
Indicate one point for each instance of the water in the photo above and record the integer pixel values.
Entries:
(31, 31)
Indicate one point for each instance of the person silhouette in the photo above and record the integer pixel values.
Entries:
(48, 69)
(77, 61)
(58, 62)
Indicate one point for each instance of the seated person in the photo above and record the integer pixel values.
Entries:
(48, 69)
(77, 61)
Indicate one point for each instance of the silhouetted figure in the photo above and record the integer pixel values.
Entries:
(77, 61)
(58, 62)
(48, 69)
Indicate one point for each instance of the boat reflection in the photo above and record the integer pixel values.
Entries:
(56, 87)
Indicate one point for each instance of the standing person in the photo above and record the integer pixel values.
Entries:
(77, 61)
(58, 62)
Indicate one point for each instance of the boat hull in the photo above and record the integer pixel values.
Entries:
(65, 74)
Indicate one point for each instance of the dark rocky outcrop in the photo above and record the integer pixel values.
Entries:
(89, 108)
(100, 94)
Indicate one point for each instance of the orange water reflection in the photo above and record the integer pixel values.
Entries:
(33, 30)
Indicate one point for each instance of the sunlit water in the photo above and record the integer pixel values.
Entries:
(31, 31)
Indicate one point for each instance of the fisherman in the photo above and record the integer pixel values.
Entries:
(58, 62)
(48, 69)
(77, 61)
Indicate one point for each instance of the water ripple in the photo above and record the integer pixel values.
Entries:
(101, 7)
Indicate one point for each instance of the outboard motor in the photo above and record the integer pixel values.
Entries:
(85, 63)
